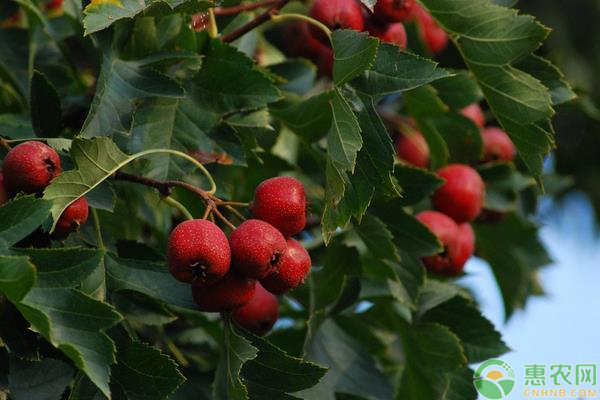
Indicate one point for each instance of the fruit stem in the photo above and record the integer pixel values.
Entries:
(302, 17)
(234, 10)
(235, 212)
(177, 205)
(4, 143)
(259, 20)
(207, 212)
(216, 211)
(213, 29)
(176, 353)
(198, 164)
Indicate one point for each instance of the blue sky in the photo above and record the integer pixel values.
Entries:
(563, 326)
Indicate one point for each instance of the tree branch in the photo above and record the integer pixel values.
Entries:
(259, 20)
(234, 10)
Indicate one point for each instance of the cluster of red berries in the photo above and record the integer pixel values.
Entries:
(29, 168)
(386, 22)
(243, 274)
(461, 198)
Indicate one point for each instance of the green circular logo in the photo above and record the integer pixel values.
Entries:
(494, 379)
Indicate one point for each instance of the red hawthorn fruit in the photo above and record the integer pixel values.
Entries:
(413, 149)
(497, 145)
(259, 314)
(228, 294)
(295, 266)
(281, 202)
(434, 36)
(54, 4)
(389, 11)
(198, 252)
(463, 194)
(74, 216)
(337, 14)
(4, 196)
(300, 42)
(475, 114)
(451, 260)
(30, 166)
(466, 245)
(393, 33)
(257, 248)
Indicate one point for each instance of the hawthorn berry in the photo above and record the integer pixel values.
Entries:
(259, 314)
(461, 197)
(451, 260)
(54, 5)
(393, 33)
(413, 149)
(30, 166)
(198, 252)
(393, 10)
(231, 292)
(497, 145)
(4, 196)
(257, 248)
(74, 216)
(337, 14)
(300, 42)
(281, 202)
(293, 269)
(475, 114)
(434, 36)
(466, 245)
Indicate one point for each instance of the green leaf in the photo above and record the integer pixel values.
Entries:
(229, 81)
(274, 373)
(396, 71)
(409, 234)
(99, 15)
(17, 277)
(310, 119)
(150, 278)
(96, 159)
(433, 354)
(520, 102)
(514, 252)
(354, 53)
(236, 351)
(503, 183)
(478, 337)
(16, 126)
(69, 319)
(61, 268)
(20, 217)
(344, 139)
(458, 91)
(46, 114)
(142, 372)
(45, 379)
(461, 135)
(350, 366)
(375, 160)
(461, 385)
(378, 238)
(417, 183)
(120, 85)
(14, 58)
(542, 69)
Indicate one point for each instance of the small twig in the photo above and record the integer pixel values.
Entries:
(164, 187)
(234, 10)
(235, 212)
(234, 203)
(223, 219)
(207, 212)
(4, 143)
(259, 20)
